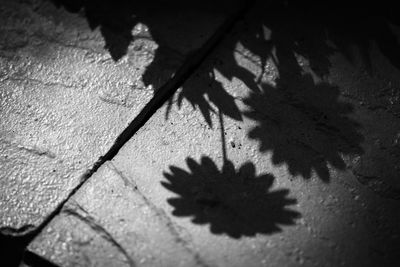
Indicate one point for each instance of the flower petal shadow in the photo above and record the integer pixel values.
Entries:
(235, 202)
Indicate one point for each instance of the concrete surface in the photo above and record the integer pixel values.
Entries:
(67, 92)
(281, 149)
(287, 158)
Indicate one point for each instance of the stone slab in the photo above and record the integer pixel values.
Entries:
(255, 162)
(111, 223)
(66, 92)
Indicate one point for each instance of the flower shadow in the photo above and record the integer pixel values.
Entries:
(304, 126)
(235, 202)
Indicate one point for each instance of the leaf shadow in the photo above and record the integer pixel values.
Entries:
(303, 27)
(301, 120)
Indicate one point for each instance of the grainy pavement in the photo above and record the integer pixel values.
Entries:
(281, 149)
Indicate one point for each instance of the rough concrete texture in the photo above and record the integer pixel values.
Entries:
(70, 82)
(269, 155)
(135, 233)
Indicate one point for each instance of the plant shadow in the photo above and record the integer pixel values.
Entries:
(306, 130)
(301, 119)
(289, 28)
(233, 201)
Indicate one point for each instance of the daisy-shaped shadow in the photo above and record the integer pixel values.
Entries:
(305, 125)
(235, 202)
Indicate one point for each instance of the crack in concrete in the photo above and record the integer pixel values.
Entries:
(50, 40)
(76, 210)
(128, 182)
(189, 66)
(10, 231)
(160, 213)
(38, 81)
(38, 152)
(33, 150)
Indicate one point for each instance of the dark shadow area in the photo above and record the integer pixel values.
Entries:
(301, 119)
(312, 30)
(236, 202)
(12, 249)
(204, 96)
(307, 129)
(349, 24)
(116, 19)
(345, 24)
